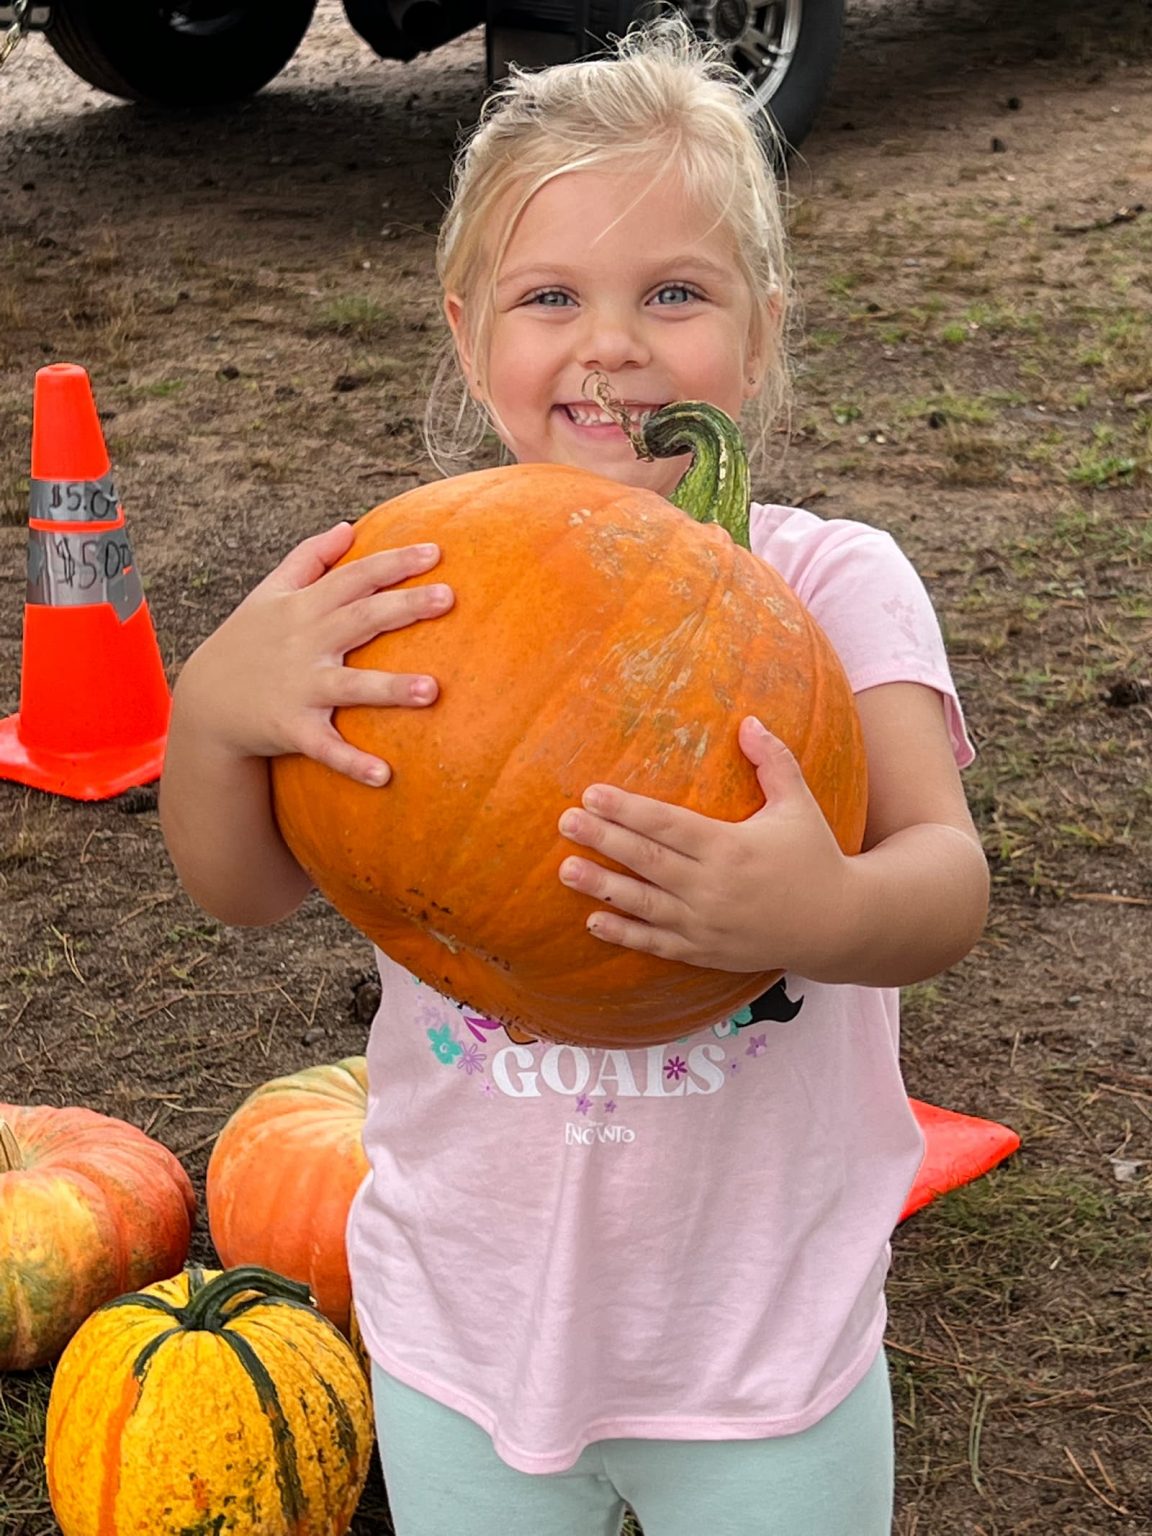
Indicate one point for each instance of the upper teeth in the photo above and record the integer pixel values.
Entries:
(592, 416)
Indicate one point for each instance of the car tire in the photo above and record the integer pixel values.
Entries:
(755, 32)
(795, 104)
(201, 53)
(786, 49)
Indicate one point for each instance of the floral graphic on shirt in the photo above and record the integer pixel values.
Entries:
(601, 1083)
(443, 1046)
(902, 613)
(472, 1059)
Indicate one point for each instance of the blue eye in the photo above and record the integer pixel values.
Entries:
(681, 289)
(550, 298)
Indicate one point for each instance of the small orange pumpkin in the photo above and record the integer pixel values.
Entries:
(600, 634)
(282, 1175)
(90, 1207)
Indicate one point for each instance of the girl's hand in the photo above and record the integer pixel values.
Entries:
(761, 894)
(266, 682)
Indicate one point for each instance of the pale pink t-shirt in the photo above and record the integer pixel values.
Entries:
(684, 1242)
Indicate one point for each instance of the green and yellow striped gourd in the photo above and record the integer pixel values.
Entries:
(218, 1403)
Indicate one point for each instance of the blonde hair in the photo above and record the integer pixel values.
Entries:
(660, 97)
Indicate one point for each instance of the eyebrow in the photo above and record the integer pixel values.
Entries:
(686, 263)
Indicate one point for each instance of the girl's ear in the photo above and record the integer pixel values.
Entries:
(763, 345)
(454, 314)
(753, 373)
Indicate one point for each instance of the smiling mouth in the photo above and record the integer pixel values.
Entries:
(584, 415)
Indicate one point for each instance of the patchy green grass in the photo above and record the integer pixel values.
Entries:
(357, 316)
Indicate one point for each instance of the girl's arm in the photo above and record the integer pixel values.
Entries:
(915, 901)
(775, 891)
(266, 683)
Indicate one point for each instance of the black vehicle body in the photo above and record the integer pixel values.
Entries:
(198, 53)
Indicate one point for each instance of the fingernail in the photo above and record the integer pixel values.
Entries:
(570, 871)
(427, 551)
(592, 799)
(423, 690)
(378, 776)
(569, 823)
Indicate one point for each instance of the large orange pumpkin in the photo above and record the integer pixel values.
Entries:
(282, 1175)
(90, 1207)
(208, 1405)
(600, 634)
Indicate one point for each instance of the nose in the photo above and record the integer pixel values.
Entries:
(612, 339)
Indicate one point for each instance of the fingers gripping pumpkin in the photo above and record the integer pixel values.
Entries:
(599, 635)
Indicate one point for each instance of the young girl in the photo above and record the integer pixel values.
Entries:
(588, 1278)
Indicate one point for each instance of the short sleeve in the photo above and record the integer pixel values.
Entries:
(869, 600)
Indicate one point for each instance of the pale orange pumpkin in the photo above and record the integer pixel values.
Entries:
(90, 1207)
(600, 634)
(282, 1175)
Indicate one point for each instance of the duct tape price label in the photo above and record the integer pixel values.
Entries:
(76, 570)
(74, 501)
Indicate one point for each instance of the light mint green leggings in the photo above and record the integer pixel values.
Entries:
(834, 1479)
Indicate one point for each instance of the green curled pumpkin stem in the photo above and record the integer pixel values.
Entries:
(207, 1300)
(716, 487)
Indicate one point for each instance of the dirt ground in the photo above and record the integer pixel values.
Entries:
(254, 297)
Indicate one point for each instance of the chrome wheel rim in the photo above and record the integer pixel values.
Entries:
(759, 39)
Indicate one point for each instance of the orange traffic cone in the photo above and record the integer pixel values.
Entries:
(94, 700)
(957, 1149)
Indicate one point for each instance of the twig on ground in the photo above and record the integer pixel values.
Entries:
(1118, 1509)
(975, 1430)
(197, 1146)
(146, 906)
(69, 954)
(20, 1012)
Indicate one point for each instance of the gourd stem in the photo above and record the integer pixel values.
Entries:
(11, 1157)
(205, 1309)
(716, 487)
